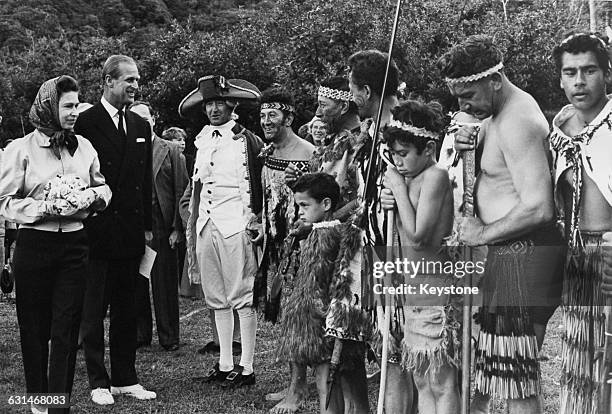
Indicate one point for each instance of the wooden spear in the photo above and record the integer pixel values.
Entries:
(370, 171)
(386, 323)
(605, 396)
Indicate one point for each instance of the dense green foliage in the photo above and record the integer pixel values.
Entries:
(22, 21)
(293, 42)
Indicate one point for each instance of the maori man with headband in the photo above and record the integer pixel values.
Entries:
(339, 154)
(284, 150)
(582, 148)
(335, 107)
(337, 157)
(514, 205)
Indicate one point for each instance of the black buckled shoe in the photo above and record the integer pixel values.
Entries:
(209, 348)
(215, 374)
(214, 349)
(235, 379)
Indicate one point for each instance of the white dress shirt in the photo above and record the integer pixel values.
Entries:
(114, 114)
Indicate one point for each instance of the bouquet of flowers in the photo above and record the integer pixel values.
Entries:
(66, 194)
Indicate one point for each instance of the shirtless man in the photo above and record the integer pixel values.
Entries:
(515, 207)
(583, 160)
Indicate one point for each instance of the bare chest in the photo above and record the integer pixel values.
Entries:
(595, 212)
(414, 193)
(492, 163)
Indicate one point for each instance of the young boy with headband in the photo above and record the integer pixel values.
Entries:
(420, 192)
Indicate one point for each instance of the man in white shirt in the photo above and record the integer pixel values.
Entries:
(226, 200)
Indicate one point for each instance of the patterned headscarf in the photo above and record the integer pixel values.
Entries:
(44, 116)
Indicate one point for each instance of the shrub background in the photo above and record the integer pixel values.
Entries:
(292, 42)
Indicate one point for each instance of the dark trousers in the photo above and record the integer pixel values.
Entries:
(164, 283)
(110, 282)
(50, 272)
(144, 320)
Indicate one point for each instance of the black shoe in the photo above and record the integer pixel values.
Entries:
(235, 379)
(209, 348)
(214, 349)
(215, 374)
(171, 348)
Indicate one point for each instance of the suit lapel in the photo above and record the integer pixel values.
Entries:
(107, 126)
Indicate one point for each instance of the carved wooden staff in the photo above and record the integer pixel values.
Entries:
(332, 376)
(469, 179)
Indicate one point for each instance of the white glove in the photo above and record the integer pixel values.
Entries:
(86, 198)
(64, 208)
(46, 208)
(82, 199)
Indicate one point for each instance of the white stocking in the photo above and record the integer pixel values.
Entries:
(224, 319)
(248, 330)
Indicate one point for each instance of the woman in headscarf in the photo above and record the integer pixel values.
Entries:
(49, 182)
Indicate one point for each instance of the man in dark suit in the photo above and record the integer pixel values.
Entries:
(169, 181)
(117, 235)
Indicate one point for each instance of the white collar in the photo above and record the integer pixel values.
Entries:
(227, 126)
(224, 130)
(569, 110)
(325, 224)
(112, 111)
(207, 131)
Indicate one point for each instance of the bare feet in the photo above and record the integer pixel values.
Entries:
(290, 404)
(480, 404)
(277, 396)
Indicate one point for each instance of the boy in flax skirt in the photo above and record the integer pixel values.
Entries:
(420, 192)
(322, 310)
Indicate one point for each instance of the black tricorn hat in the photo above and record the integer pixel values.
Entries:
(216, 87)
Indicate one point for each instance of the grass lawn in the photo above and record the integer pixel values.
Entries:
(170, 374)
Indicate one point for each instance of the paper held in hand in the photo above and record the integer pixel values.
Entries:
(146, 263)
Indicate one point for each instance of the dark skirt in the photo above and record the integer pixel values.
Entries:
(521, 287)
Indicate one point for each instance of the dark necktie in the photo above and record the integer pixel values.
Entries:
(216, 134)
(120, 129)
